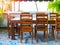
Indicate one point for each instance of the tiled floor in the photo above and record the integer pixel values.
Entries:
(4, 40)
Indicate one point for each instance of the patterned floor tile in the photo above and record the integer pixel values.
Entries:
(4, 40)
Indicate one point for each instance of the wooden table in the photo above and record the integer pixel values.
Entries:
(17, 20)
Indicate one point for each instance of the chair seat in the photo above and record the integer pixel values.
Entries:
(58, 30)
(41, 27)
(26, 28)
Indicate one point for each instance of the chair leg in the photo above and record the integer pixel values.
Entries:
(21, 37)
(19, 32)
(46, 35)
(35, 33)
(30, 33)
(55, 35)
(32, 36)
(12, 33)
(16, 28)
(9, 33)
(53, 32)
(36, 37)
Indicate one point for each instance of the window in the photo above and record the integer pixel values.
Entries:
(28, 6)
(15, 6)
(42, 6)
(1, 4)
(33, 6)
(24, 5)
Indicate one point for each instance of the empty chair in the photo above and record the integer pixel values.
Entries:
(57, 25)
(26, 25)
(52, 19)
(41, 24)
(8, 18)
(12, 28)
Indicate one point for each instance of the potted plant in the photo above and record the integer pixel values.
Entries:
(1, 12)
(54, 6)
(1, 16)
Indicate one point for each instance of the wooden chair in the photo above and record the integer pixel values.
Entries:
(41, 24)
(53, 17)
(8, 18)
(12, 29)
(57, 25)
(26, 25)
(11, 32)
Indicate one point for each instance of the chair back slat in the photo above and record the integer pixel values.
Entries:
(58, 19)
(41, 18)
(53, 16)
(26, 19)
(57, 22)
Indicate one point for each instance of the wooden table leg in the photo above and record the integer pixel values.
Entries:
(53, 27)
(12, 32)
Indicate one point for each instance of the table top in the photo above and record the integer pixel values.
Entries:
(17, 20)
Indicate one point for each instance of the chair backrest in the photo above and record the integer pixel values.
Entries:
(41, 18)
(26, 19)
(57, 22)
(53, 16)
(58, 19)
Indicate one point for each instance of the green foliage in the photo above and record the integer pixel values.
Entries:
(1, 12)
(55, 5)
(1, 16)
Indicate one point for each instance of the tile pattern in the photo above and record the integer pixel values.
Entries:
(4, 40)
